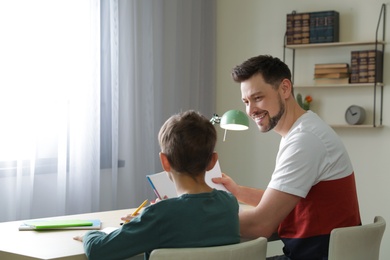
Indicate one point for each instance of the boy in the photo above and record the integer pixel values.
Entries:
(200, 216)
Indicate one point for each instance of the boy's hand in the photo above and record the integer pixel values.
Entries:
(128, 217)
(79, 238)
(157, 200)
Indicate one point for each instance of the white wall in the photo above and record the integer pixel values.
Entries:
(252, 27)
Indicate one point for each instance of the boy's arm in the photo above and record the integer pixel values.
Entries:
(138, 236)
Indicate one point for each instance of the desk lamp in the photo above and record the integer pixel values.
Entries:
(231, 120)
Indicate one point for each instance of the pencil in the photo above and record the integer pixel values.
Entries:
(139, 208)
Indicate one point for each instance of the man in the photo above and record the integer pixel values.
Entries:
(312, 189)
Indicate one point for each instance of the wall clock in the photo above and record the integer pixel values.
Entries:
(355, 115)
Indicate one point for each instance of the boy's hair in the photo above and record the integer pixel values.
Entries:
(272, 69)
(188, 139)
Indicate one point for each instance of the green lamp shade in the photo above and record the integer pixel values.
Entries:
(234, 120)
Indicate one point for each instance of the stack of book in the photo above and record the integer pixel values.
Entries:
(314, 27)
(366, 66)
(331, 73)
(298, 28)
(55, 224)
(324, 27)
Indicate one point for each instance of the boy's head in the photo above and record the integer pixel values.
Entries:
(188, 140)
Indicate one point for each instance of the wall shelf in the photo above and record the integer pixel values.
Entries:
(333, 44)
(379, 44)
(355, 126)
(353, 85)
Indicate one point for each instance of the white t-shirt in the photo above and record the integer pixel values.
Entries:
(311, 152)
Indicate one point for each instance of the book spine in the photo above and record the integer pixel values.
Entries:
(305, 28)
(314, 21)
(375, 66)
(297, 26)
(354, 66)
(332, 24)
(363, 66)
(331, 75)
(289, 29)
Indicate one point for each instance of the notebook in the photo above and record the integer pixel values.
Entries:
(60, 224)
(163, 186)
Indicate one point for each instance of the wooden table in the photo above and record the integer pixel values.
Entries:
(53, 244)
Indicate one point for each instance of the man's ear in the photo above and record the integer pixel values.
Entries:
(164, 162)
(213, 161)
(286, 88)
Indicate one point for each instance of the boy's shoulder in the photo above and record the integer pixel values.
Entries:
(191, 200)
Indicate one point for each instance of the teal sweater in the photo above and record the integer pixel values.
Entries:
(191, 220)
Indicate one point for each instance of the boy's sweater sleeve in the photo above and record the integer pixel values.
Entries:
(136, 237)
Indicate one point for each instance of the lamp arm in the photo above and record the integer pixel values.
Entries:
(215, 119)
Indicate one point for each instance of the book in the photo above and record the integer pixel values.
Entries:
(331, 70)
(335, 75)
(363, 66)
(163, 186)
(366, 66)
(324, 26)
(330, 65)
(375, 66)
(289, 28)
(297, 28)
(72, 224)
(305, 30)
(354, 66)
(328, 81)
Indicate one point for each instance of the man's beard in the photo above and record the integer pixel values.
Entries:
(273, 121)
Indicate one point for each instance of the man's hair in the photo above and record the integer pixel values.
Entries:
(188, 139)
(272, 69)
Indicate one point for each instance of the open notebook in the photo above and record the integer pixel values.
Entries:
(163, 186)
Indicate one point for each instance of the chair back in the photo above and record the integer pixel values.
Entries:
(360, 242)
(249, 250)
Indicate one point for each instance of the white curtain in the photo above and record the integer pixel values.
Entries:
(49, 108)
(85, 87)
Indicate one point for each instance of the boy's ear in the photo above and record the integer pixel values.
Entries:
(164, 162)
(213, 161)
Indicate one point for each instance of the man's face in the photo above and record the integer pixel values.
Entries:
(263, 103)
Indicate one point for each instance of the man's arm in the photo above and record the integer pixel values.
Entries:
(271, 208)
(264, 219)
(247, 195)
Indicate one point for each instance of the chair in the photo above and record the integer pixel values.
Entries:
(248, 250)
(360, 242)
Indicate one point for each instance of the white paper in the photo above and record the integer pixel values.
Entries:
(214, 173)
(163, 186)
(108, 230)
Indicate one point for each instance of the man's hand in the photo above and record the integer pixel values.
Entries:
(228, 182)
